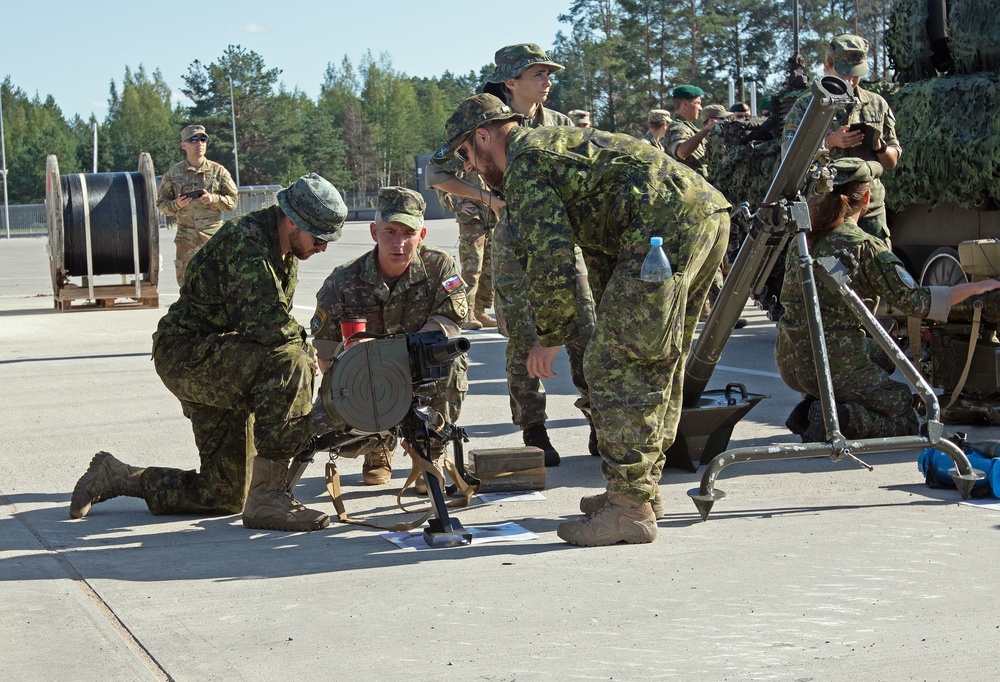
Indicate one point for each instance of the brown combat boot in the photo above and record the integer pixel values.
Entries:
(484, 319)
(271, 507)
(591, 504)
(377, 469)
(622, 519)
(106, 478)
(472, 324)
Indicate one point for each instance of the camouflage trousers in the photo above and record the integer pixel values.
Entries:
(188, 242)
(877, 406)
(474, 255)
(517, 322)
(446, 399)
(242, 399)
(634, 362)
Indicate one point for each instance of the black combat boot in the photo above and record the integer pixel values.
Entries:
(798, 419)
(537, 437)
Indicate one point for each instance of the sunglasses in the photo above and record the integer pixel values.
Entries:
(198, 138)
(461, 152)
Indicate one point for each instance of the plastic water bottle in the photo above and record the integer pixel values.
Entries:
(656, 267)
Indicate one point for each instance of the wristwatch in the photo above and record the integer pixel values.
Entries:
(883, 149)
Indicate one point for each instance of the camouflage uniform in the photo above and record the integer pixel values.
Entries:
(196, 222)
(876, 405)
(652, 141)
(233, 354)
(474, 245)
(514, 314)
(430, 286)
(608, 194)
(875, 111)
(679, 130)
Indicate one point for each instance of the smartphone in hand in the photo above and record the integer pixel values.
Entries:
(194, 194)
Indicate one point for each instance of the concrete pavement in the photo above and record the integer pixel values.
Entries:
(808, 570)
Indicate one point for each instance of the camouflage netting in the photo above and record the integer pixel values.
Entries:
(744, 158)
(973, 42)
(950, 132)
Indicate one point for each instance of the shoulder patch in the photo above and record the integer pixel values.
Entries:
(451, 283)
(318, 321)
(905, 276)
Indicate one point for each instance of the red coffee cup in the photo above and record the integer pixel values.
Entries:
(350, 327)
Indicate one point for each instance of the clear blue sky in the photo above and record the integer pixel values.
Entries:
(73, 50)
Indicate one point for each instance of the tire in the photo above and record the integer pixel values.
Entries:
(943, 269)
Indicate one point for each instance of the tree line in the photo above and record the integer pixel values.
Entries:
(622, 58)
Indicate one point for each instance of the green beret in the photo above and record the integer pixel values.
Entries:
(852, 169)
(687, 92)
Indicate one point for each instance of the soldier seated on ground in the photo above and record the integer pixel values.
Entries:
(869, 403)
(400, 286)
(230, 350)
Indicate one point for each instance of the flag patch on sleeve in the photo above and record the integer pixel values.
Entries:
(451, 283)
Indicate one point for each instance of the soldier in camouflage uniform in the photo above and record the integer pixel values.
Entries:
(521, 79)
(657, 120)
(233, 354)
(475, 223)
(198, 218)
(400, 286)
(685, 140)
(848, 59)
(869, 403)
(607, 194)
(580, 118)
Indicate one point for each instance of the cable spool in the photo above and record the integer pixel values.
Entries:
(103, 224)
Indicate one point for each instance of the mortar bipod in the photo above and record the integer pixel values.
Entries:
(835, 276)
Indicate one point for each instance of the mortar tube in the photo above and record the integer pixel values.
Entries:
(767, 240)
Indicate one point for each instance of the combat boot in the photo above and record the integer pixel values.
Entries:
(472, 325)
(537, 437)
(591, 504)
(270, 506)
(106, 478)
(482, 318)
(377, 469)
(622, 519)
(816, 431)
(798, 418)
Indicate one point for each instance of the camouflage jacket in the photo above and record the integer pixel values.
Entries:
(873, 110)
(239, 282)
(183, 177)
(483, 217)
(879, 274)
(679, 130)
(608, 194)
(430, 286)
(650, 140)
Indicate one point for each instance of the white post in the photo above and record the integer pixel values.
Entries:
(3, 168)
(753, 98)
(732, 93)
(95, 146)
(232, 110)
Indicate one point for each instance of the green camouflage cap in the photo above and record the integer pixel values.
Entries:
(687, 92)
(850, 55)
(658, 116)
(579, 116)
(315, 206)
(191, 131)
(714, 111)
(511, 61)
(472, 113)
(401, 205)
(852, 169)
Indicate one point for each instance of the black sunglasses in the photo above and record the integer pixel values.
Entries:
(198, 138)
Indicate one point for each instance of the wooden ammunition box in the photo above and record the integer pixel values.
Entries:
(508, 469)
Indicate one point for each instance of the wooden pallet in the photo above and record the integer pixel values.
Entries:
(73, 297)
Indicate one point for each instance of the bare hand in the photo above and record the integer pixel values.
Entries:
(207, 198)
(844, 138)
(989, 285)
(183, 201)
(467, 207)
(540, 360)
(497, 205)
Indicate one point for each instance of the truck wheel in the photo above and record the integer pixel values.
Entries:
(943, 269)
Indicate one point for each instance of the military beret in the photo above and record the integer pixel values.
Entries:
(687, 92)
(475, 111)
(191, 131)
(401, 205)
(740, 108)
(658, 116)
(852, 169)
(714, 111)
(850, 55)
(315, 206)
(513, 60)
